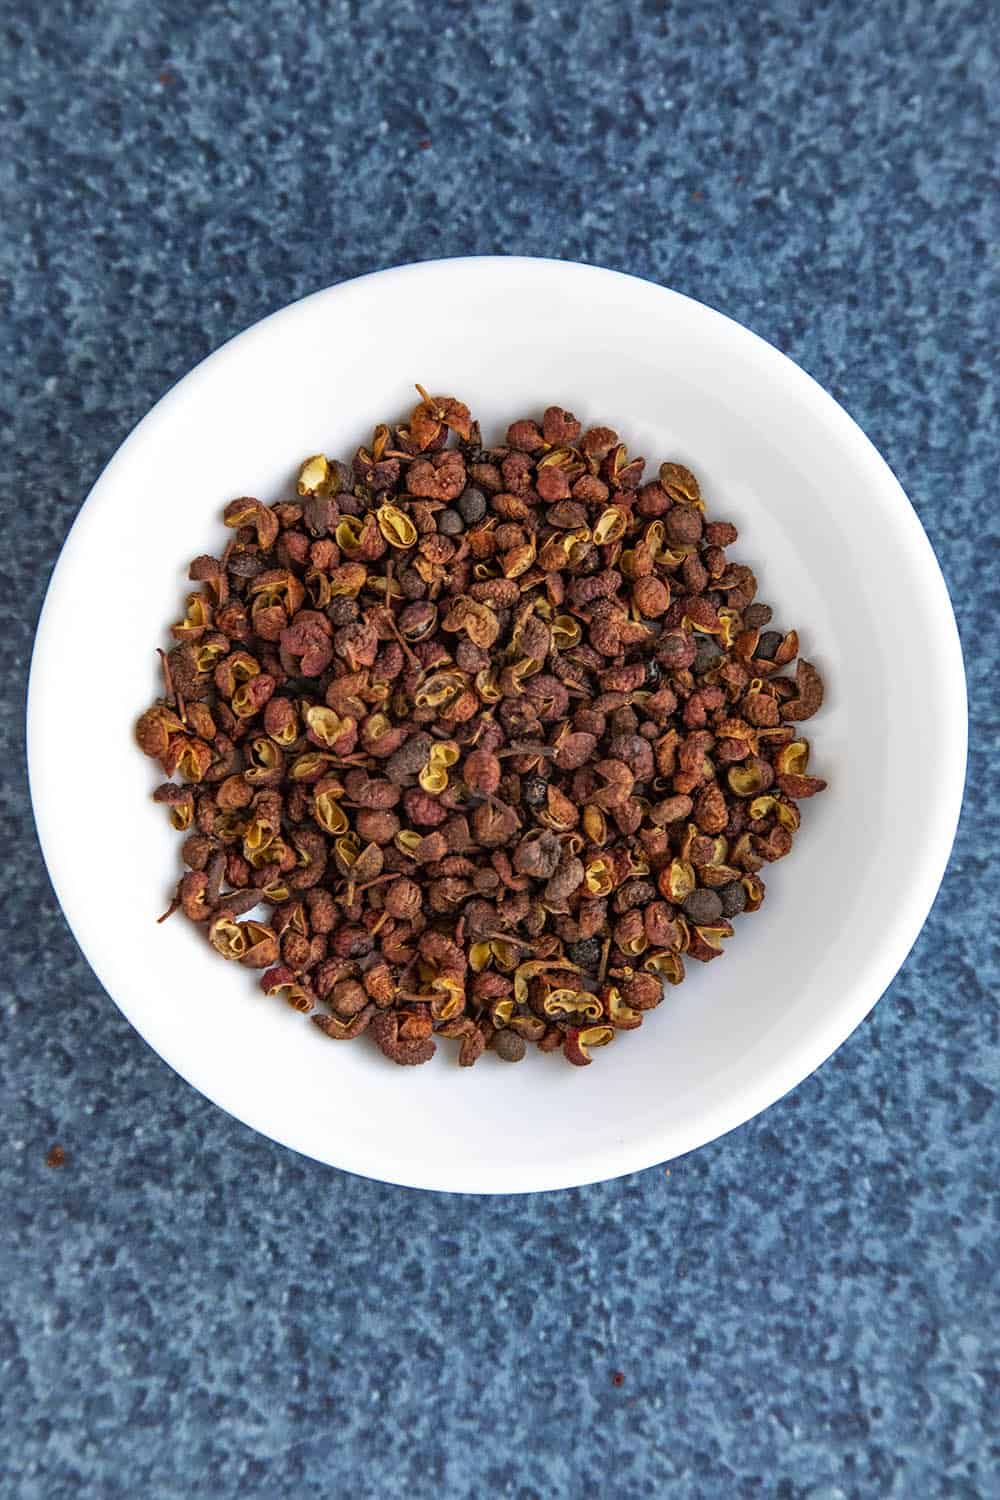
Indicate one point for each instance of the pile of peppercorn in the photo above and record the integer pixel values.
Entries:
(478, 743)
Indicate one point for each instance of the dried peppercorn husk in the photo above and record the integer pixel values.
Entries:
(478, 744)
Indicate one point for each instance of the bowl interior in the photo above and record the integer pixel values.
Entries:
(839, 554)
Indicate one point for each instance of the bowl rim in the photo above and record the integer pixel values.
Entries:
(782, 1073)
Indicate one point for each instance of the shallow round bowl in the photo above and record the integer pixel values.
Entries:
(839, 553)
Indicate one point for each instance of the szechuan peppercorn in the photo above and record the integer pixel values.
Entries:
(478, 743)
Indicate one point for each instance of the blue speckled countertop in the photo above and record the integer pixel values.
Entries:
(805, 1310)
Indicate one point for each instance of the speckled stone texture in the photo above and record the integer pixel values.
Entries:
(806, 1310)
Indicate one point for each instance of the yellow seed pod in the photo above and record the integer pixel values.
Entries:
(272, 853)
(227, 937)
(263, 755)
(681, 880)
(565, 632)
(788, 815)
(346, 850)
(325, 724)
(611, 526)
(575, 543)
(792, 759)
(407, 841)
(745, 781)
(480, 957)
(433, 779)
(439, 689)
(487, 686)
(638, 864)
(196, 618)
(449, 1000)
(329, 814)
(444, 753)
(595, 825)
(314, 476)
(376, 726)
(207, 657)
(596, 1036)
(242, 703)
(761, 806)
(559, 458)
(505, 954)
(310, 763)
(258, 834)
(599, 878)
(729, 622)
(681, 485)
(565, 1002)
(348, 533)
(243, 666)
(669, 965)
(396, 526)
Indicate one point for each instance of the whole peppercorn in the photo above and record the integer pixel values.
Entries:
(652, 597)
(682, 524)
(403, 899)
(478, 726)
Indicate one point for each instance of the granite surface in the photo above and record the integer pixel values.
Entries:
(806, 1310)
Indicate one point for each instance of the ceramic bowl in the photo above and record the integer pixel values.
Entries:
(839, 553)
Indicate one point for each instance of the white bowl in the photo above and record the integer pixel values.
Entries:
(839, 553)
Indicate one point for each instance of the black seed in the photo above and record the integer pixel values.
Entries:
(734, 899)
(703, 907)
(653, 674)
(412, 585)
(450, 523)
(706, 656)
(586, 953)
(342, 611)
(768, 644)
(509, 1046)
(471, 505)
(245, 564)
(534, 790)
